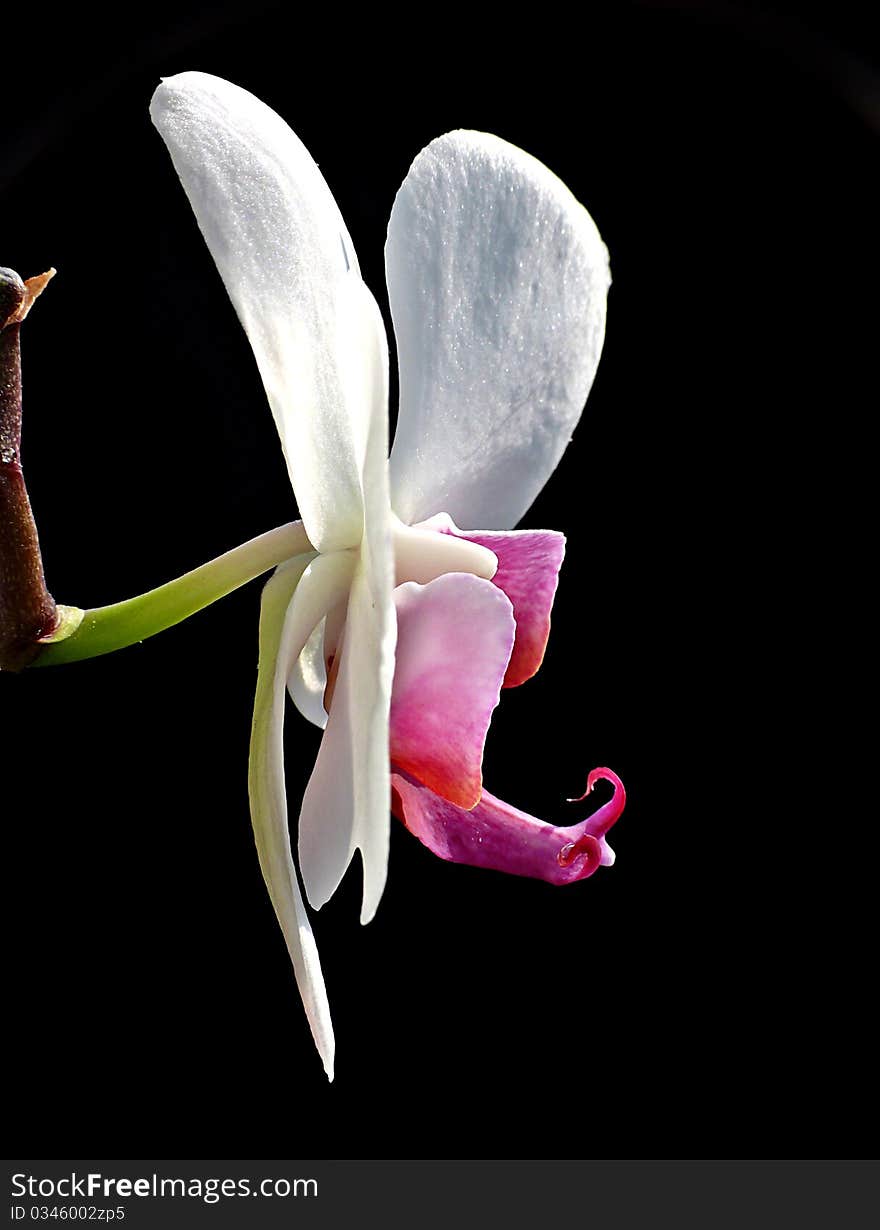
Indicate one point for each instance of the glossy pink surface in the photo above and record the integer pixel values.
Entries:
(494, 834)
(454, 637)
(528, 571)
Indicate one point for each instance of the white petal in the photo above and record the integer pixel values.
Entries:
(308, 679)
(347, 801)
(498, 281)
(284, 628)
(288, 263)
(348, 798)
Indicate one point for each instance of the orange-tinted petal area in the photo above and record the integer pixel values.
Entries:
(454, 637)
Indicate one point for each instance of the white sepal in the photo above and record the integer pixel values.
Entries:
(294, 602)
(282, 249)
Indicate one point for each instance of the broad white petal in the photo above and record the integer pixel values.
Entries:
(498, 281)
(288, 263)
(348, 798)
(285, 625)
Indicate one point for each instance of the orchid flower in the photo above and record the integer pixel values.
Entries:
(393, 628)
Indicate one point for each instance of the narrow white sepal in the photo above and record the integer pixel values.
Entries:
(294, 602)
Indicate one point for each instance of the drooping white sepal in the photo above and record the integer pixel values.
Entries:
(294, 602)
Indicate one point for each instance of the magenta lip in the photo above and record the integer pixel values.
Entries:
(495, 835)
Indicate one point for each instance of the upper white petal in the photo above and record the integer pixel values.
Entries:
(498, 282)
(288, 263)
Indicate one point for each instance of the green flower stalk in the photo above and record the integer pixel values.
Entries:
(33, 629)
(88, 634)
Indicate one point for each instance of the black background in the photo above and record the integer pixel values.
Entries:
(708, 996)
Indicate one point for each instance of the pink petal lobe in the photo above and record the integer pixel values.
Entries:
(454, 637)
(528, 570)
(494, 834)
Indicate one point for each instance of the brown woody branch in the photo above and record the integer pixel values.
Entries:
(27, 610)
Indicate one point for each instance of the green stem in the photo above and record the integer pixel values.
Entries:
(107, 628)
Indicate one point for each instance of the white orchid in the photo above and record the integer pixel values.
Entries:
(401, 625)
